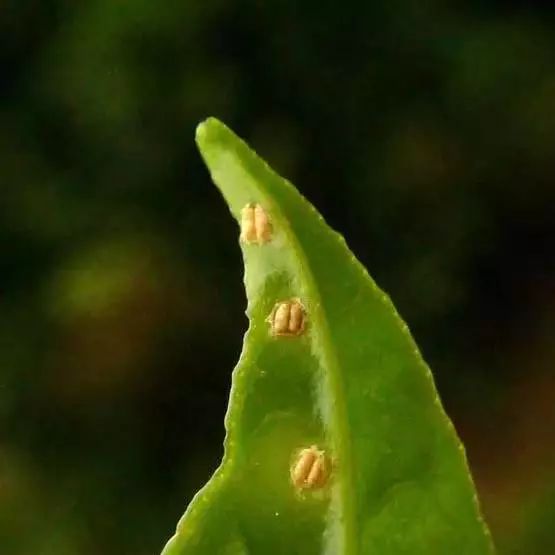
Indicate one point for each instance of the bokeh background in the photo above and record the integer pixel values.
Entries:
(423, 130)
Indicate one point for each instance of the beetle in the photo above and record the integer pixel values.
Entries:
(310, 469)
(255, 225)
(287, 318)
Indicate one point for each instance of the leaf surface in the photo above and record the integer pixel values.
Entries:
(352, 383)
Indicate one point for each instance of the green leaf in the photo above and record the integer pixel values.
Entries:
(351, 382)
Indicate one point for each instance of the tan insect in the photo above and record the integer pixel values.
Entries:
(310, 469)
(287, 318)
(255, 225)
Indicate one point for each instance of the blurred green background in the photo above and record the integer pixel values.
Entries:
(423, 130)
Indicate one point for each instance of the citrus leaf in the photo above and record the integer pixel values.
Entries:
(336, 441)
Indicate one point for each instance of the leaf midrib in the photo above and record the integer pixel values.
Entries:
(339, 428)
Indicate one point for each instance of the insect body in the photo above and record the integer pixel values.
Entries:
(310, 470)
(287, 318)
(255, 225)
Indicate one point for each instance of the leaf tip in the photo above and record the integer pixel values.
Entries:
(207, 129)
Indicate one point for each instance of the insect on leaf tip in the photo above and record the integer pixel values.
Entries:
(255, 225)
